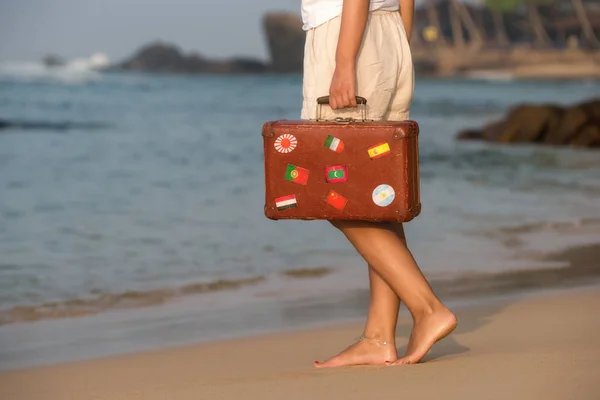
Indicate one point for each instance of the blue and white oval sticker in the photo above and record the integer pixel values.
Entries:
(383, 195)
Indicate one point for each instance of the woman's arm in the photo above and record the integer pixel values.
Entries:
(342, 91)
(407, 12)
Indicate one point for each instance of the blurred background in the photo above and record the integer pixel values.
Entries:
(131, 168)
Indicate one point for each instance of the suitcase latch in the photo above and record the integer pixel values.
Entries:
(341, 120)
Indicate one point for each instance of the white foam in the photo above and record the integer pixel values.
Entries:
(491, 75)
(76, 71)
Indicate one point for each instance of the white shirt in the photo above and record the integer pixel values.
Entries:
(317, 12)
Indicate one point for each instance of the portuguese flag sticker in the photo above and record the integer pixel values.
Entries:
(296, 174)
(333, 143)
(336, 173)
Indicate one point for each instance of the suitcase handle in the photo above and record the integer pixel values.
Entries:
(325, 100)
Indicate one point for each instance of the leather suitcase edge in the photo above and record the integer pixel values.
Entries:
(267, 129)
(413, 131)
(401, 130)
(267, 133)
(407, 216)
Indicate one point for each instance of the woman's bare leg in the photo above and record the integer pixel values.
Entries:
(380, 327)
(383, 246)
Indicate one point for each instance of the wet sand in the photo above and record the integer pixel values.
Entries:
(534, 347)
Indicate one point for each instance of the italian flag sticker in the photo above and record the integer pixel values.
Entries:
(286, 202)
(333, 143)
(296, 174)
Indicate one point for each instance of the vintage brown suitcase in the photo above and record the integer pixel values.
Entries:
(342, 169)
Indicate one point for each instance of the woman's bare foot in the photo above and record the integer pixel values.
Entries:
(364, 352)
(426, 332)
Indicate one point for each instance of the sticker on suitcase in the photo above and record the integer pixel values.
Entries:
(336, 173)
(334, 144)
(383, 195)
(296, 174)
(285, 143)
(286, 202)
(379, 150)
(336, 200)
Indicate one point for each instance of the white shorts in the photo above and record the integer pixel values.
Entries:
(384, 69)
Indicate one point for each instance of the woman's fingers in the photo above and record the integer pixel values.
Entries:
(342, 99)
(333, 103)
(351, 99)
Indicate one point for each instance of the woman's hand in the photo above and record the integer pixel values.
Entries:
(342, 91)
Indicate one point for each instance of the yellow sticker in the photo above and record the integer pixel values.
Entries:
(379, 150)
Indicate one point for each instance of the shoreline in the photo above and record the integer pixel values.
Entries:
(486, 347)
(460, 285)
(189, 322)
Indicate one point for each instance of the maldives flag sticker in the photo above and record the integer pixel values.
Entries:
(336, 173)
(333, 143)
(336, 200)
(379, 150)
(296, 174)
(286, 202)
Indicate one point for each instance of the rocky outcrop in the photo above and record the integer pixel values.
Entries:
(161, 57)
(52, 60)
(546, 124)
(285, 39)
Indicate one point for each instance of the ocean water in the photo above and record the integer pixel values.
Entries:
(136, 192)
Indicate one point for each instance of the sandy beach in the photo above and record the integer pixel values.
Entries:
(541, 346)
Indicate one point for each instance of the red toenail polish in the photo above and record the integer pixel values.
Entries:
(316, 362)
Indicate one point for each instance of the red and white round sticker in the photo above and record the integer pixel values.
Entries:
(285, 143)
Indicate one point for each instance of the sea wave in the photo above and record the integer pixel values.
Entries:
(77, 71)
(491, 75)
(453, 106)
(101, 301)
(570, 267)
(56, 126)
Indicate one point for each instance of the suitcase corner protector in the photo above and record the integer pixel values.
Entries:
(401, 131)
(272, 217)
(267, 129)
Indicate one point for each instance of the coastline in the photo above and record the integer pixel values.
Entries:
(508, 64)
(497, 344)
(193, 321)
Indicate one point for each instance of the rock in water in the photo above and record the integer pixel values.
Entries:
(4, 124)
(528, 123)
(549, 124)
(160, 57)
(157, 57)
(571, 121)
(285, 38)
(591, 108)
(589, 136)
(52, 60)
